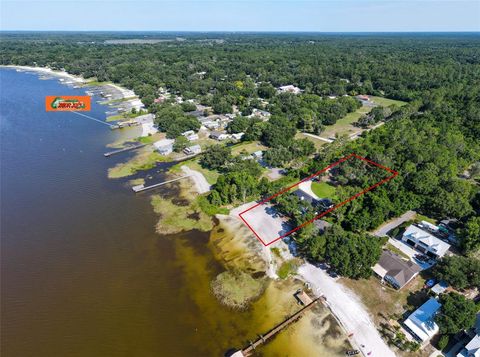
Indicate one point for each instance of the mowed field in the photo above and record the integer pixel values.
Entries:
(345, 126)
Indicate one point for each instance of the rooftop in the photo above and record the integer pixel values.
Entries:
(421, 322)
(434, 243)
(393, 265)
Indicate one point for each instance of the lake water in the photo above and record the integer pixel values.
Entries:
(83, 272)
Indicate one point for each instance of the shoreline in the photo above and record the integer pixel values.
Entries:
(343, 303)
(79, 80)
(200, 185)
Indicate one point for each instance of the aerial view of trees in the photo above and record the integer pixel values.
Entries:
(432, 141)
(458, 271)
(456, 314)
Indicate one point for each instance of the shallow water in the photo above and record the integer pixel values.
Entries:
(83, 272)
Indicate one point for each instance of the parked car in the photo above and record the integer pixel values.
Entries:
(352, 352)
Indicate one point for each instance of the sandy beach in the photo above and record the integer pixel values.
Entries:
(79, 80)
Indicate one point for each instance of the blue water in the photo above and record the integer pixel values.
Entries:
(83, 272)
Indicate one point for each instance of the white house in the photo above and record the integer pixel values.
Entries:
(190, 135)
(421, 323)
(238, 136)
(471, 349)
(218, 135)
(260, 114)
(164, 146)
(289, 89)
(211, 124)
(425, 242)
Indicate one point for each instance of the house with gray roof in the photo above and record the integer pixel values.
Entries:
(395, 270)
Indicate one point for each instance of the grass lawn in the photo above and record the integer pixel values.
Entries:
(344, 125)
(249, 147)
(385, 102)
(151, 138)
(397, 251)
(323, 190)
(317, 142)
(421, 217)
(96, 83)
(123, 116)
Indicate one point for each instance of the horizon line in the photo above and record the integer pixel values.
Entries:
(253, 31)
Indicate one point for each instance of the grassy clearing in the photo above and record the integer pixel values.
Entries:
(96, 83)
(119, 100)
(421, 217)
(144, 160)
(249, 147)
(123, 116)
(150, 139)
(344, 125)
(397, 251)
(317, 142)
(385, 102)
(323, 190)
(180, 217)
(236, 288)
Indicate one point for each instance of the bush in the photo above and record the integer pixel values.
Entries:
(443, 342)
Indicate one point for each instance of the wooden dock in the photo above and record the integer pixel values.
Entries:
(247, 351)
(141, 188)
(128, 148)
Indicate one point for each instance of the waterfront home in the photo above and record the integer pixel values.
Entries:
(164, 146)
(192, 150)
(395, 270)
(421, 323)
(190, 135)
(289, 89)
(218, 135)
(425, 242)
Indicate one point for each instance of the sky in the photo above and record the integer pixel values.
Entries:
(242, 15)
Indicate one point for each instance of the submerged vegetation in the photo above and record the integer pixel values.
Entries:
(236, 288)
(181, 213)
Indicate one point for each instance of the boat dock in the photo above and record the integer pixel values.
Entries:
(128, 148)
(247, 351)
(141, 188)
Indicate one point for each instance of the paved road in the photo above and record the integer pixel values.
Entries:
(386, 227)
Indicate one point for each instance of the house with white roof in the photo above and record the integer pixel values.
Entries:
(421, 323)
(164, 146)
(260, 114)
(289, 89)
(190, 135)
(425, 242)
(471, 349)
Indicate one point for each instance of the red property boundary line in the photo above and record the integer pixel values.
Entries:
(393, 172)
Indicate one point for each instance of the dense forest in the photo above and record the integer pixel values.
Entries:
(433, 141)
